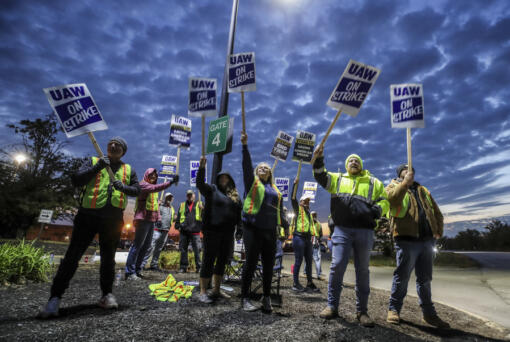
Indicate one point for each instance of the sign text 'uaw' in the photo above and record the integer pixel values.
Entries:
(75, 109)
(202, 97)
(180, 131)
(241, 72)
(353, 87)
(303, 147)
(193, 169)
(282, 146)
(283, 185)
(407, 110)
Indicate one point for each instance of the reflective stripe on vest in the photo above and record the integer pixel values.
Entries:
(401, 210)
(304, 222)
(316, 229)
(95, 193)
(182, 212)
(353, 190)
(151, 202)
(255, 197)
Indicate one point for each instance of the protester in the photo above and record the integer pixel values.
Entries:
(416, 223)
(282, 234)
(222, 213)
(262, 214)
(102, 204)
(146, 216)
(357, 201)
(316, 244)
(331, 226)
(189, 225)
(160, 235)
(302, 239)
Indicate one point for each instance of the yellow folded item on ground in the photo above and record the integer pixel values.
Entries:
(170, 290)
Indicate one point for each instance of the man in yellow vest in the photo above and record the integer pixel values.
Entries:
(189, 225)
(416, 223)
(358, 200)
(101, 211)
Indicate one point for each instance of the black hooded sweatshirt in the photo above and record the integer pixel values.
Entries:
(220, 212)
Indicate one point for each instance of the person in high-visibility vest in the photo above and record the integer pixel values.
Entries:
(316, 245)
(358, 200)
(262, 213)
(160, 236)
(101, 211)
(302, 239)
(189, 225)
(146, 216)
(222, 213)
(416, 223)
(282, 233)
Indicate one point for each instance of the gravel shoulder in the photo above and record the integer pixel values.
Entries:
(141, 317)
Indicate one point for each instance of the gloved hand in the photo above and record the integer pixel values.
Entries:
(175, 180)
(103, 162)
(159, 224)
(118, 185)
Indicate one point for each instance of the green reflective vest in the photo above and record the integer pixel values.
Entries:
(182, 213)
(401, 210)
(255, 197)
(316, 230)
(95, 194)
(304, 222)
(151, 202)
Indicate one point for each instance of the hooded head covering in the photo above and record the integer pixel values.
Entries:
(402, 168)
(149, 171)
(355, 156)
(231, 180)
(121, 142)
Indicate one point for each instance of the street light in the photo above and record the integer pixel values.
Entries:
(20, 158)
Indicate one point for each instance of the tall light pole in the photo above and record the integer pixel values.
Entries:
(218, 157)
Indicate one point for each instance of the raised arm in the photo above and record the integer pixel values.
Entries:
(202, 186)
(248, 176)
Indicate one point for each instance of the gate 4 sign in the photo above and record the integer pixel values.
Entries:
(310, 188)
(241, 72)
(202, 97)
(407, 106)
(353, 87)
(282, 146)
(45, 216)
(283, 185)
(303, 148)
(168, 165)
(75, 109)
(180, 131)
(218, 134)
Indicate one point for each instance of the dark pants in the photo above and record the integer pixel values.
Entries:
(302, 246)
(258, 242)
(142, 242)
(184, 241)
(217, 246)
(84, 230)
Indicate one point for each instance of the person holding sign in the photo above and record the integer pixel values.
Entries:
(101, 211)
(358, 200)
(146, 216)
(416, 222)
(316, 244)
(222, 213)
(262, 214)
(189, 225)
(302, 239)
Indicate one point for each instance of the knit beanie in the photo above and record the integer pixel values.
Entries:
(121, 142)
(355, 156)
(402, 168)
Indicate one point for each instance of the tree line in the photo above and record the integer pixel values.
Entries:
(494, 237)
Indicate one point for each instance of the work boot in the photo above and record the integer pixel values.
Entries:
(50, 309)
(204, 298)
(311, 287)
(266, 304)
(365, 320)
(216, 292)
(297, 287)
(248, 306)
(393, 317)
(434, 320)
(108, 302)
(328, 313)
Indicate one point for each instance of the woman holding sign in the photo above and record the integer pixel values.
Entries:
(146, 216)
(222, 213)
(262, 214)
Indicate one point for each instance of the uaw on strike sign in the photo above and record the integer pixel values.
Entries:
(353, 87)
(407, 106)
(75, 108)
(180, 131)
(202, 97)
(241, 72)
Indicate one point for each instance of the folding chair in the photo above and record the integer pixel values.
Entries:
(276, 297)
(234, 267)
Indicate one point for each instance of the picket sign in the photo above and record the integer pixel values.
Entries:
(241, 77)
(274, 166)
(409, 150)
(100, 154)
(202, 101)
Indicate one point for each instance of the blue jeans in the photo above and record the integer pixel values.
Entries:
(420, 256)
(159, 238)
(302, 248)
(360, 241)
(143, 239)
(279, 250)
(317, 259)
(184, 240)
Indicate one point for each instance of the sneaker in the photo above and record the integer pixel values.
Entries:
(319, 277)
(204, 298)
(393, 317)
(140, 275)
(365, 320)
(156, 269)
(108, 302)
(219, 294)
(297, 288)
(50, 309)
(312, 288)
(435, 321)
(328, 313)
(132, 277)
(266, 304)
(248, 306)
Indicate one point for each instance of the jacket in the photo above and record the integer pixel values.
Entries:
(191, 221)
(408, 225)
(146, 189)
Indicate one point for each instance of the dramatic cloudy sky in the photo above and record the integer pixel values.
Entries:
(136, 58)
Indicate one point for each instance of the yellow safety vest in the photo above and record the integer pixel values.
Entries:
(304, 222)
(95, 194)
(151, 202)
(316, 229)
(182, 212)
(401, 210)
(255, 197)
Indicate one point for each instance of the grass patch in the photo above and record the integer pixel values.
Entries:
(448, 259)
(51, 247)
